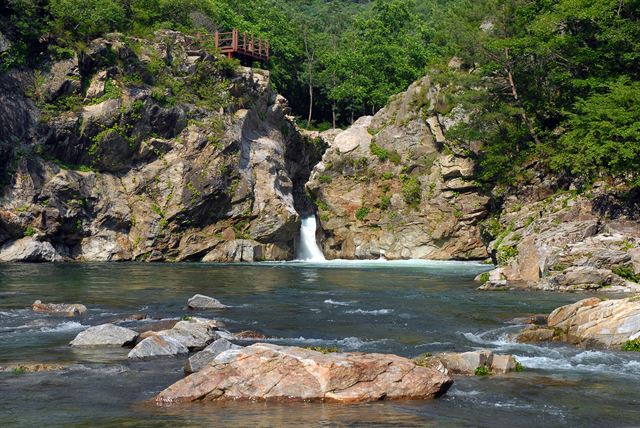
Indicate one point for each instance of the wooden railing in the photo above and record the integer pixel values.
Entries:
(234, 43)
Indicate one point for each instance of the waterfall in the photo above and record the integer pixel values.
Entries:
(308, 248)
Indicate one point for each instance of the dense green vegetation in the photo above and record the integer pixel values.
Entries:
(555, 82)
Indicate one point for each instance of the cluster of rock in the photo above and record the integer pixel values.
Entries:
(392, 185)
(106, 161)
(590, 322)
(566, 242)
(218, 369)
(469, 363)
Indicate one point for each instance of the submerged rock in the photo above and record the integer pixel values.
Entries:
(249, 334)
(21, 368)
(69, 310)
(271, 372)
(207, 355)
(158, 346)
(200, 301)
(105, 335)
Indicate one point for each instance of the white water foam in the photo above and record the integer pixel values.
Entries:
(338, 303)
(556, 358)
(309, 250)
(348, 343)
(64, 326)
(372, 312)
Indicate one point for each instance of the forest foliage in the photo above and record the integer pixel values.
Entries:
(558, 80)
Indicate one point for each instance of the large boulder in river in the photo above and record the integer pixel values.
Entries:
(69, 310)
(200, 301)
(271, 372)
(593, 322)
(158, 346)
(105, 335)
(590, 322)
(207, 355)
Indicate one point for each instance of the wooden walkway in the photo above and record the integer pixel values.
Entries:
(234, 43)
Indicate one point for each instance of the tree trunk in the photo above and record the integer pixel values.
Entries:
(310, 105)
(333, 115)
(514, 94)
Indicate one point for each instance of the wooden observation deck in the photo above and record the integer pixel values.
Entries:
(234, 43)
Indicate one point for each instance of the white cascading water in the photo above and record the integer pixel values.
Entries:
(308, 250)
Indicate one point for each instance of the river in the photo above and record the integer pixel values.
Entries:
(406, 308)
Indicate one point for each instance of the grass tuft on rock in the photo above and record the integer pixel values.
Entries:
(323, 349)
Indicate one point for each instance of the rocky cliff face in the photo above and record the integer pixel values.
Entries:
(393, 185)
(566, 241)
(148, 150)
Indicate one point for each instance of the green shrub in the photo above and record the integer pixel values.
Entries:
(484, 277)
(385, 202)
(29, 231)
(506, 253)
(362, 213)
(627, 273)
(378, 151)
(394, 157)
(325, 179)
(519, 367)
(387, 175)
(322, 205)
(631, 345)
(411, 191)
(111, 92)
(482, 371)
(19, 370)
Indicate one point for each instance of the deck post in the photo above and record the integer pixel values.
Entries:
(235, 39)
(217, 38)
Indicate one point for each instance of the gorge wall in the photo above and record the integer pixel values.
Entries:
(392, 185)
(148, 149)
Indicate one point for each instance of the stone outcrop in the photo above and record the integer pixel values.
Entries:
(590, 322)
(29, 249)
(201, 359)
(106, 160)
(105, 335)
(272, 372)
(69, 310)
(392, 185)
(200, 301)
(566, 242)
